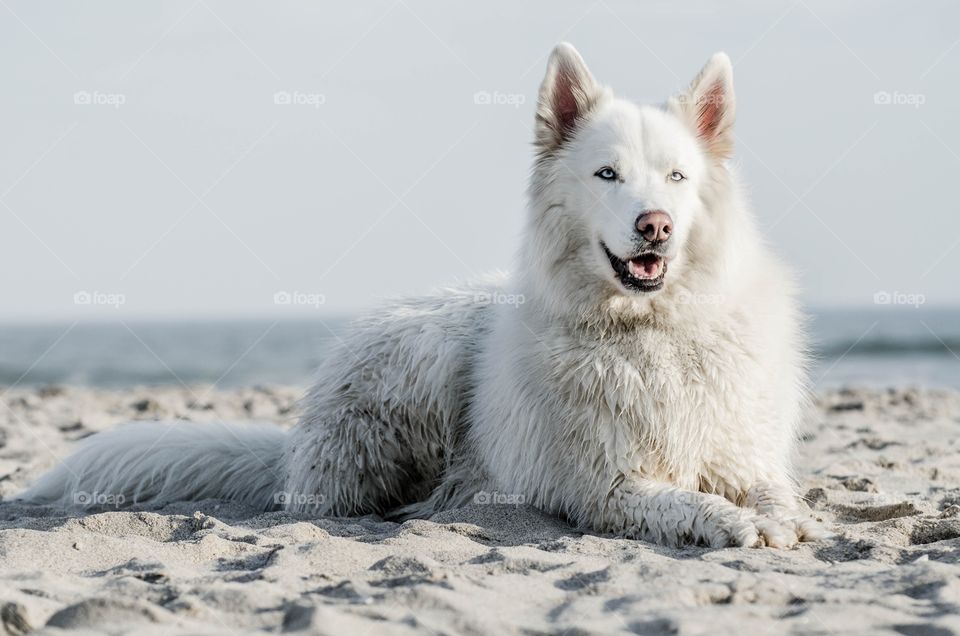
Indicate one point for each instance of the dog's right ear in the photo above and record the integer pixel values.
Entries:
(709, 106)
(567, 94)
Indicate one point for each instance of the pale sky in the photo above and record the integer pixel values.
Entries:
(147, 162)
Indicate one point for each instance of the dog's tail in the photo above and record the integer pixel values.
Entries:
(159, 462)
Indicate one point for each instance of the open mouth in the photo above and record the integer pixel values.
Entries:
(644, 272)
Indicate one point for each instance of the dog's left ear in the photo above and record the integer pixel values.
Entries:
(709, 106)
(567, 94)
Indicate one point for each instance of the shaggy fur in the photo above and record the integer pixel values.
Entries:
(665, 414)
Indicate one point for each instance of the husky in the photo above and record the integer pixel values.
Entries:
(646, 380)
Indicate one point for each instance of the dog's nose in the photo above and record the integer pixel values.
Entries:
(655, 225)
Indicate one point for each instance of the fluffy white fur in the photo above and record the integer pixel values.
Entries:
(168, 461)
(666, 415)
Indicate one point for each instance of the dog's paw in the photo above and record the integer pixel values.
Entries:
(807, 529)
(744, 528)
(785, 531)
(779, 504)
(730, 527)
(776, 533)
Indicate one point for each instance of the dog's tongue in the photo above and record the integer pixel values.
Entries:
(646, 266)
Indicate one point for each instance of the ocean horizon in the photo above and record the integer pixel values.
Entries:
(877, 346)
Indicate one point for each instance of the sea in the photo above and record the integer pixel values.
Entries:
(877, 347)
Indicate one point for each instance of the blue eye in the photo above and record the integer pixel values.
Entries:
(607, 174)
(676, 175)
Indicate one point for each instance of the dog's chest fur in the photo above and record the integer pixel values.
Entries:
(672, 405)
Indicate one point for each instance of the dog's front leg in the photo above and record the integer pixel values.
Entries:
(654, 511)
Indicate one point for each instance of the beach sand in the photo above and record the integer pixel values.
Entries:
(880, 468)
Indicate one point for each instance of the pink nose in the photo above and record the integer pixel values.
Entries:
(655, 226)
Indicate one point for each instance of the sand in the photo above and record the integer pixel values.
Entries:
(880, 468)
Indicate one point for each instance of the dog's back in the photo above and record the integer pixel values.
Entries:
(386, 412)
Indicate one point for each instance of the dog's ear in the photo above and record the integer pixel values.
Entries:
(567, 94)
(709, 106)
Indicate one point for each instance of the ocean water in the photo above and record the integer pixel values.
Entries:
(882, 346)
(886, 346)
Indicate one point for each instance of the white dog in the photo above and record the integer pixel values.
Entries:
(649, 384)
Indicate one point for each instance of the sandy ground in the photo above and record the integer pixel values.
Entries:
(881, 468)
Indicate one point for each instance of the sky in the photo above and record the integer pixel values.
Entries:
(221, 159)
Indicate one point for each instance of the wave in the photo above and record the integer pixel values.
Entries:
(891, 347)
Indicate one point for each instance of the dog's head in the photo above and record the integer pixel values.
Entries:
(628, 181)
